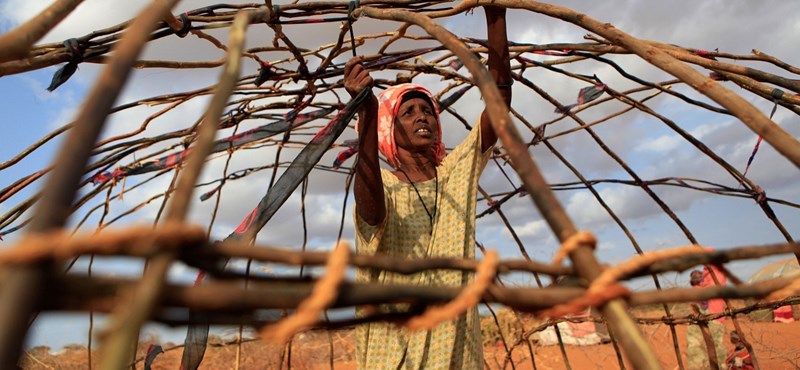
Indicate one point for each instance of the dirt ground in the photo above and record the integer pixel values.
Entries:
(777, 346)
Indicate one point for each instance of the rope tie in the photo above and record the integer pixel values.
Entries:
(75, 50)
(589, 299)
(264, 73)
(760, 194)
(572, 243)
(322, 296)
(186, 25)
(776, 95)
(606, 286)
(232, 119)
(469, 297)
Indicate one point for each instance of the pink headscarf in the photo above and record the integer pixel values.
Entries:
(388, 105)
(716, 305)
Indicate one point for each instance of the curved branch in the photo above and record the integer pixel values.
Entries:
(781, 140)
(17, 43)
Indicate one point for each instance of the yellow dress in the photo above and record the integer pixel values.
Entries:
(406, 231)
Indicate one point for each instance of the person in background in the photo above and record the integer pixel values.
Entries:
(696, 352)
(716, 305)
(739, 358)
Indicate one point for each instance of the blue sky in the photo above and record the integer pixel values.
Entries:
(647, 145)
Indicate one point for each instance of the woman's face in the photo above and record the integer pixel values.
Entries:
(415, 125)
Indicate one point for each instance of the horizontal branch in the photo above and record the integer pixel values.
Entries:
(205, 254)
(80, 293)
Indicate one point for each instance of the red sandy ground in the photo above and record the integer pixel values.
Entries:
(777, 346)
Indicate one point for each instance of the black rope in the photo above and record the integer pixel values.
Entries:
(186, 25)
(264, 74)
(63, 74)
(776, 94)
(350, 8)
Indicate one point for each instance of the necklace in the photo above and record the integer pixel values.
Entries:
(435, 197)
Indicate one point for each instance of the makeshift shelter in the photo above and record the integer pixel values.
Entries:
(276, 114)
(782, 268)
(577, 330)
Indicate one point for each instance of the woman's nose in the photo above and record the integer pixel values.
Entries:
(421, 116)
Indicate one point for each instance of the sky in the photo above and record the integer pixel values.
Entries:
(643, 142)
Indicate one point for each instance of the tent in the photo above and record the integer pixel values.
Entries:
(581, 332)
(586, 333)
(774, 270)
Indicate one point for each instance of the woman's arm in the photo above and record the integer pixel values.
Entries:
(499, 67)
(369, 186)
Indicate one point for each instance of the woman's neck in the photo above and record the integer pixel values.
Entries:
(415, 167)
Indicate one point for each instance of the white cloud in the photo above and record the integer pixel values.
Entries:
(533, 229)
(89, 16)
(664, 143)
(607, 245)
(18, 11)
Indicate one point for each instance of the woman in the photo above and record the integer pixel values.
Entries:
(696, 352)
(424, 207)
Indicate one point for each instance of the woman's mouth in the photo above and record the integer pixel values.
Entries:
(423, 132)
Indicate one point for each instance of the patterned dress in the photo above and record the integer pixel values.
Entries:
(406, 231)
(696, 353)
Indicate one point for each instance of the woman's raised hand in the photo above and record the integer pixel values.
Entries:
(356, 77)
(368, 187)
